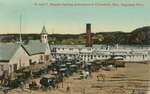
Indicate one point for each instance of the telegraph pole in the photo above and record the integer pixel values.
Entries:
(20, 28)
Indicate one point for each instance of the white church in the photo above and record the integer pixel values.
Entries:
(14, 56)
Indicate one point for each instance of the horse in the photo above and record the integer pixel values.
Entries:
(85, 74)
(102, 76)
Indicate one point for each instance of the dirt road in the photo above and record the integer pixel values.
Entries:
(133, 78)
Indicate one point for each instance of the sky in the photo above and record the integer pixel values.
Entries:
(125, 15)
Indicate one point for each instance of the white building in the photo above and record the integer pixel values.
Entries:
(99, 52)
(39, 50)
(12, 57)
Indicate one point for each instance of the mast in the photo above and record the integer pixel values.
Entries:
(52, 35)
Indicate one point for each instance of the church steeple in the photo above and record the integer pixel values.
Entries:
(44, 35)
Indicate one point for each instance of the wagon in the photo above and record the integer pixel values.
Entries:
(48, 81)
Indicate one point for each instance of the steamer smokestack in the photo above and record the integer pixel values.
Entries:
(88, 35)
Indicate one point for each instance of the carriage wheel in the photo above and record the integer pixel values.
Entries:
(118, 91)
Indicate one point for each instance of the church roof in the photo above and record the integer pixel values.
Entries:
(35, 47)
(7, 50)
(44, 30)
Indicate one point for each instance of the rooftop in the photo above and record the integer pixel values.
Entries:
(44, 30)
(35, 47)
(7, 50)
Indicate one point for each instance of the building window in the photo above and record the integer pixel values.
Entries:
(124, 56)
(14, 67)
(19, 63)
(46, 57)
(80, 49)
(41, 57)
(30, 60)
(89, 49)
(2, 67)
(70, 48)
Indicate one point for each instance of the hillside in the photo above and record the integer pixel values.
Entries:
(139, 36)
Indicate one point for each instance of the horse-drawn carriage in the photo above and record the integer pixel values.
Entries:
(48, 82)
(14, 83)
(33, 85)
(116, 62)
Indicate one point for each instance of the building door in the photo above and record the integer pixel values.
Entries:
(10, 69)
(46, 58)
(15, 67)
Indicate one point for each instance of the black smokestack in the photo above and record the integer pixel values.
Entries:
(88, 35)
